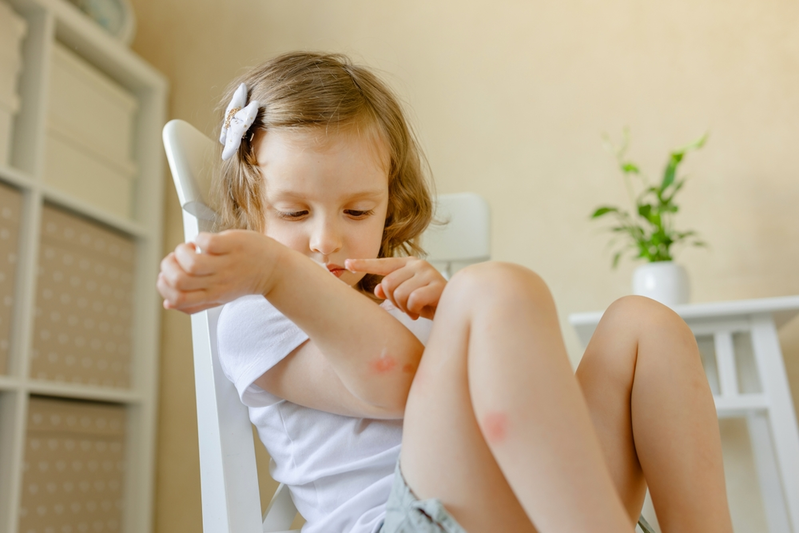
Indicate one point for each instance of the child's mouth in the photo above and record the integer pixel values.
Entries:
(336, 270)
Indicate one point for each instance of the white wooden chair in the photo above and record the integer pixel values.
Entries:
(228, 475)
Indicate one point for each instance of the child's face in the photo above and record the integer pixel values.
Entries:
(326, 195)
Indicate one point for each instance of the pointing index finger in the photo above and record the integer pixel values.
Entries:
(381, 266)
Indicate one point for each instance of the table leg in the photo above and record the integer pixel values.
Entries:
(781, 417)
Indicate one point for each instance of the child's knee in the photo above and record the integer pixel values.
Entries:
(651, 322)
(645, 313)
(496, 282)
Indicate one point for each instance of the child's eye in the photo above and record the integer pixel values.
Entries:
(354, 213)
(291, 215)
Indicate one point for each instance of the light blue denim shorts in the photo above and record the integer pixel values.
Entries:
(407, 514)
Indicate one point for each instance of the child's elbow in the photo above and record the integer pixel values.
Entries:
(386, 406)
(388, 412)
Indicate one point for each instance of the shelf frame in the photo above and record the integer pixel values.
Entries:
(51, 21)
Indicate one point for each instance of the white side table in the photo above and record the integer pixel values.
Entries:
(743, 362)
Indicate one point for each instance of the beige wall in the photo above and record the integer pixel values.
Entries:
(510, 99)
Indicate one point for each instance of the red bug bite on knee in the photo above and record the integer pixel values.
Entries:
(495, 427)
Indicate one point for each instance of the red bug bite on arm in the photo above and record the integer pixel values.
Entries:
(384, 363)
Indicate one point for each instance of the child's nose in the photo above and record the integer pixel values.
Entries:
(326, 239)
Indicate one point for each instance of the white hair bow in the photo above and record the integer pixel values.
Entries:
(238, 120)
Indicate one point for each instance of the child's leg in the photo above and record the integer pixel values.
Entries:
(653, 411)
(495, 425)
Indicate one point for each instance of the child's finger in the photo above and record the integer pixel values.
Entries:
(423, 301)
(188, 301)
(173, 298)
(214, 243)
(176, 279)
(171, 274)
(382, 266)
(192, 262)
(380, 293)
(398, 285)
(195, 309)
(399, 292)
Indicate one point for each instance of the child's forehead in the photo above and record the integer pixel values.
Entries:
(323, 141)
(299, 163)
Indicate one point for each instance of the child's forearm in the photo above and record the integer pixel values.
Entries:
(373, 354)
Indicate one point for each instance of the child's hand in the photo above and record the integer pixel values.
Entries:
(215, 269)
(414, 286)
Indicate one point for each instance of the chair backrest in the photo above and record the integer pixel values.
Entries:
(462, 235)
(228, 475)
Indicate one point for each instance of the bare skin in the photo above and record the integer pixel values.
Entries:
(496, 424)
(653, 411)
(496, 351)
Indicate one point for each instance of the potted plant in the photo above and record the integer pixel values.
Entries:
(647, 230)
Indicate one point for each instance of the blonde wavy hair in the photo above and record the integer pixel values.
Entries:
(306, 90)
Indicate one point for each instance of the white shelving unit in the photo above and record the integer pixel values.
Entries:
(51, 23)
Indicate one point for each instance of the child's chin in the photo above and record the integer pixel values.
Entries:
(351, 279)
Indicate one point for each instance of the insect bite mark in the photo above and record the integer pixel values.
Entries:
(383, 364)
(495, 427)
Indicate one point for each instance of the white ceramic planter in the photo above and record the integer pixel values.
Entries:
(664, 281)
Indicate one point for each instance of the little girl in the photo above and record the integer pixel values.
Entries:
(347, 349)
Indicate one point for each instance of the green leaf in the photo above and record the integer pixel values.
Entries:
(676, 158)
(630, 168)
(616, 258)
(694, 145)
(604, 211)
(646, 192)
(656, 221)
(670, 172)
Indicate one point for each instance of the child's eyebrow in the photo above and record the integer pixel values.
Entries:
(297, 195)
(377, 193)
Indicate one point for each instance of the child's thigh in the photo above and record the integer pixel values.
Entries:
(444, 454)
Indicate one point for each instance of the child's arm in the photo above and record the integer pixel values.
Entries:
(412, 285)
(372, 354)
